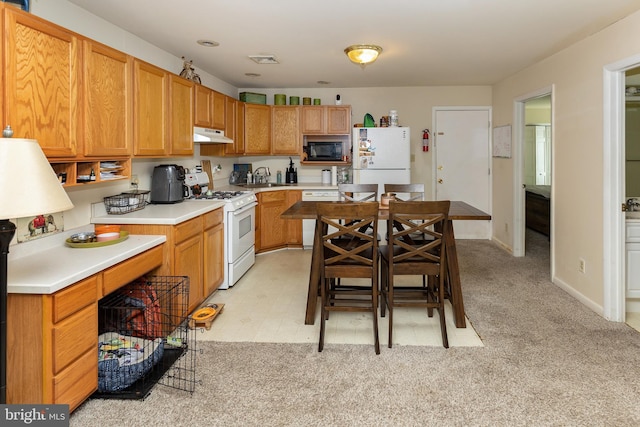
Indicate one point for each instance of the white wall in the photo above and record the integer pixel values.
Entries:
(577, 77)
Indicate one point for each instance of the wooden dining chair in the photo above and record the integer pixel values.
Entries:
(356, 258)
(403, 256)
(358, 192)
(406, 192)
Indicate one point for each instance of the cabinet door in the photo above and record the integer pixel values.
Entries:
(181, 95)
(338, 120)
(313, 120)
(285, 122)
(150, 105)
(294, 226)
(238, 141)
(257, 129)
(107, 101)
(633, 270)
(219, 103)
(203, 106)
(272, 228)
(213, 258)
(188, 262)
(41, 74)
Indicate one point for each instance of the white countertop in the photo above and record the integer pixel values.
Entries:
(47, 265)
(175, 213)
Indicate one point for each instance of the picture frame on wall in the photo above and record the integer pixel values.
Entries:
(22, 4)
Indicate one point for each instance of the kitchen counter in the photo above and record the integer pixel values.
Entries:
(163, 214)
(175, 213)
(47, 265)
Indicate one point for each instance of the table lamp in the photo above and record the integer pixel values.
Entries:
(20, 159)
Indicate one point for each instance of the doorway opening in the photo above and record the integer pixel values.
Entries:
(614, 274)
(533, 173)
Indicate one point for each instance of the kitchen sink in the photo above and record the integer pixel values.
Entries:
(265, 185)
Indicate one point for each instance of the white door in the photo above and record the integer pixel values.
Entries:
(463, 164)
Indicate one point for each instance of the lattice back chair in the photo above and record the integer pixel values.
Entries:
(403, 256)
(358, 193)
(357, 257)
(406, 192)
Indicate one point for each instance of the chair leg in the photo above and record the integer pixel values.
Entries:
(443, 324)
(323, 312)
(383, 288)
(390, 306)
(374, 312)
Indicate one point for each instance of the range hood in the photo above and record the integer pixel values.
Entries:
(210, 136)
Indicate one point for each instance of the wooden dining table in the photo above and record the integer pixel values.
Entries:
(458, 211)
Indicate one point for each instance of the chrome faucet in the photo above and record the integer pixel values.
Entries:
(633, 204)
(258, 176)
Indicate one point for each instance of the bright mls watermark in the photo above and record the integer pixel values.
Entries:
(34, 415)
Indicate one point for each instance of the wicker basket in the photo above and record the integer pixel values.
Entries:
(126, 202)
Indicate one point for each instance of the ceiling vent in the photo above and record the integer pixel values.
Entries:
(264, 59)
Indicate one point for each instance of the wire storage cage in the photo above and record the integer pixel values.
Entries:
(145, 339)
(126, 202)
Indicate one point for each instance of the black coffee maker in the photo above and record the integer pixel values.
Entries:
(291, 174)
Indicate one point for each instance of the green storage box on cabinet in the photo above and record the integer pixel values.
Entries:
(253, 98)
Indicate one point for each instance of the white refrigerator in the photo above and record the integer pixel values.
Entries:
(382, 156)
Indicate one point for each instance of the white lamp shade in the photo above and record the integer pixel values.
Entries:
(28, 184)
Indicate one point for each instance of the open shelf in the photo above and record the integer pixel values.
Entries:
(76, 173)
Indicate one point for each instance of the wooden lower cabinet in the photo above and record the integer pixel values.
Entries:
(273, 232)
(213, 254)
(52, 340)
(192, 251)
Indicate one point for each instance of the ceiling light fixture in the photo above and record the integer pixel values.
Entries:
(264, 59)
(363, 54)
(208, 43)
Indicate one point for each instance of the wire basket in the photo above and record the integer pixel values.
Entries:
(126, 202)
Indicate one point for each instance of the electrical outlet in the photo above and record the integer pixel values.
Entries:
(581, 265)
(506, 227)
(134, 180)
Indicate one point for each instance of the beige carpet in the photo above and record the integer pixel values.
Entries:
(546, 361)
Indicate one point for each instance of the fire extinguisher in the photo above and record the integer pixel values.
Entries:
(425, 140)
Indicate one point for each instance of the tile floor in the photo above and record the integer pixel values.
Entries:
(268, 305)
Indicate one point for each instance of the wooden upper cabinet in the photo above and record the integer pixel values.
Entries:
(257, 129)
(326, 120)
(313, 120)
(150, 103)
(108, 128)
(219, 104)
(41, 74)
(238, 137)
(285, 125)
(203, 106)
(181, 108)
(338, 120)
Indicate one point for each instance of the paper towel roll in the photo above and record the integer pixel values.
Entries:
(334, 175)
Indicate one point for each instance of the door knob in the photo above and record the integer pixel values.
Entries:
(440, 181)
(440, 168)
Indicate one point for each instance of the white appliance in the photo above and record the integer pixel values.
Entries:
(308, 225)
(210, 136)
(382, 156)
(239, 225)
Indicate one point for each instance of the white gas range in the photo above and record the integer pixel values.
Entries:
(239, 229)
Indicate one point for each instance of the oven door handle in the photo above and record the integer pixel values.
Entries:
(243, 209)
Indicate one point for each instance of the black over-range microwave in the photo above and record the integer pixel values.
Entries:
(324, 151)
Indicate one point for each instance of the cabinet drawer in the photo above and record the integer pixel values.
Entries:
(73, 385)
(187, 229)
(74, 298)
(633, 232)
(213, 218)
(273, 196)
(123, 273)
(73, 337)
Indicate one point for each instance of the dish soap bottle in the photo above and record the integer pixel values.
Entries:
(249, 177)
